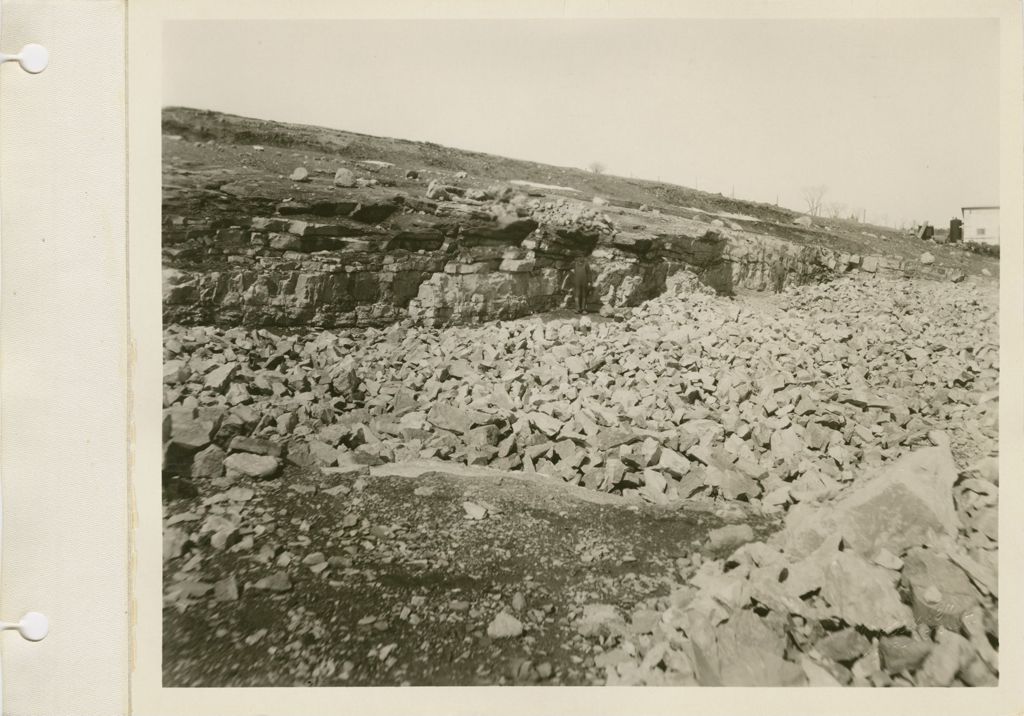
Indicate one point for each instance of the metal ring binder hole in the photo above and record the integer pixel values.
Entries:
(33, 626)
(33, 58)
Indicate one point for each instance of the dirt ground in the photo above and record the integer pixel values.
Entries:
(412, 582)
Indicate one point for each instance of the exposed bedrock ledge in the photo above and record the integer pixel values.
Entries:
(371, 258)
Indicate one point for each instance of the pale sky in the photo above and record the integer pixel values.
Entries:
(900, 117)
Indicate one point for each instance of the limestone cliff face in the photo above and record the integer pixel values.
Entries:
(257, 250)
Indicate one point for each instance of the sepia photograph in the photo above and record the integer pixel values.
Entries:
(579, 352)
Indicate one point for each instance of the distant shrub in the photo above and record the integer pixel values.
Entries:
(984, 249)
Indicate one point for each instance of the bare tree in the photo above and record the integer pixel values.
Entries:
(597, 167)
(836, 209)
(814, 196)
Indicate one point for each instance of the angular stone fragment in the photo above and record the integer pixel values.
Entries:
(322, 453)
(226, 590)
(484, 435)
(730, 537)
(189, 431)
(240, 443)
(744, 651)
(863, 594)
(941, 592)
(654, 481)
(902, 653)
(276, 582)
(909, 502)
(504, 626)
(545, 423)
(344, 178)
(600, 620)
(175, 371)
(218, 378)
(673, 463)
(242, 464)
(786, 444)
(731, 483)
(208, 462)
(950, 654)
(474, 511)
(843, 645)
(456, 420)
(175, 540)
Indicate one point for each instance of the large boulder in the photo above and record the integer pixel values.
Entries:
(909, 503)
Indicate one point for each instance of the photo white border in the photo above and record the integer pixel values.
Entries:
(144, 105)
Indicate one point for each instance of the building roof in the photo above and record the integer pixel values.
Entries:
(969, 208)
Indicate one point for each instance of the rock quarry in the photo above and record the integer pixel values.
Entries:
(390, 458)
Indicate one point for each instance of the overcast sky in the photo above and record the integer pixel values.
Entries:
(900, 117)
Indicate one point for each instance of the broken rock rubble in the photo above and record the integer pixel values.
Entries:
(864, 412)
(834, 616)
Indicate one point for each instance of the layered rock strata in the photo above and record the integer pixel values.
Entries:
(264, 252)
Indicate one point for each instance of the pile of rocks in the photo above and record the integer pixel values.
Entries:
(682, 398)
(864, 411)
(884, 586)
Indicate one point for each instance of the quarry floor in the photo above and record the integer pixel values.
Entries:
(414, 552)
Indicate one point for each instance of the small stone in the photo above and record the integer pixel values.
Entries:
(300, 174)
(518, 602)
(240, 494)
(504, 626)
(600, 620)
(175, 540)
(322, 453)
(208, 463)
(864, 594)
(226, 590)
(344, 178)
(730, 537)
(218, 378)
(901, 653)
(474, 511)
(277, 582)
(887, 559)
(844, 645)
(951, 653)
(242, 464)
(175, 371)
(941, 591)
(241, 443)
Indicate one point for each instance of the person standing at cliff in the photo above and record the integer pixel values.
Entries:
(581, 277)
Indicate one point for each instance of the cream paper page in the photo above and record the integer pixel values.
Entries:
(64, 356)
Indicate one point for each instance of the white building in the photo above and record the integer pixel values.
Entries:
(981, 224)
